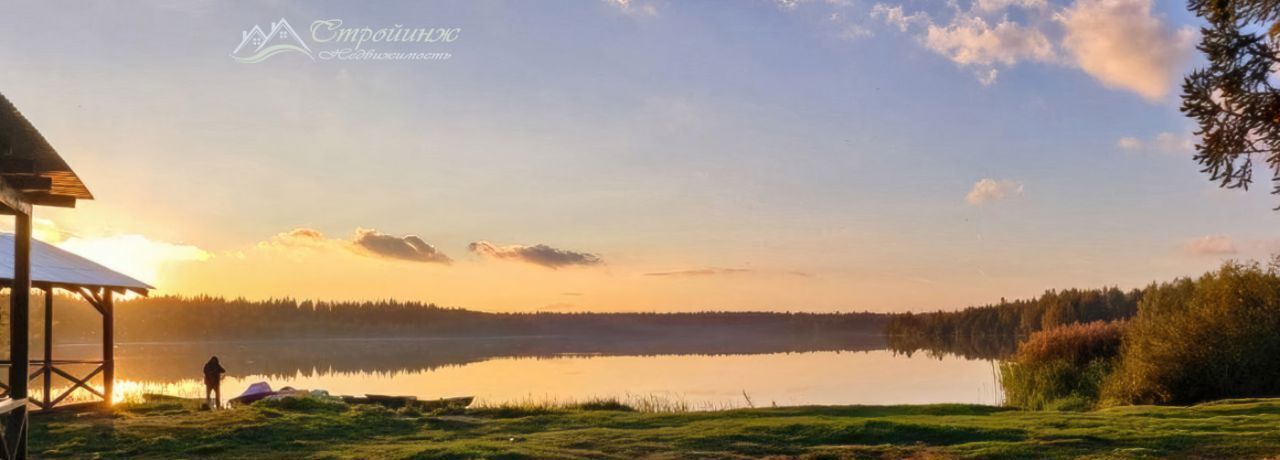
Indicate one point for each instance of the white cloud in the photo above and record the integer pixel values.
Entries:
(1166, 143)
(1124, 45)
(975, 39)
(1211, 245)
(988, 77)
(992, 190)
(971, 41)
(787, 4)
(894, 16)
(634, 8)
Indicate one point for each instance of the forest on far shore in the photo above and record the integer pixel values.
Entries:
(180, 318)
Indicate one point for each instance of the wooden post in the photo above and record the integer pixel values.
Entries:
(48, 347)
(20, 307)
(108, 346)
(19, 329)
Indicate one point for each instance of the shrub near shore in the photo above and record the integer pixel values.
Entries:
(1198, 340)
(1062, 368)
(1215, 337)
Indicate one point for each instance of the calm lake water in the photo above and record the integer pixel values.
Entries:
(701, 375)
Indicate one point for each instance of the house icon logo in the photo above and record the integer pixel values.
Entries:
(256, 46)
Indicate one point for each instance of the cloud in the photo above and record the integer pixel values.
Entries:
(366, 242)
(134, 255)
(409, 247)
(894, 16)
(634, 8)
(975, 38)
(541, 254)
(702, 272)
(998, 6)
(1211, 245)
(972, 41)
(1166, 142)
(1124, 45)
(989, 77)
(1130, 143)
(297, 238)
(992, 190)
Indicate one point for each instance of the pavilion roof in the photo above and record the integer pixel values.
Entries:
(60, 268)
(25, 152)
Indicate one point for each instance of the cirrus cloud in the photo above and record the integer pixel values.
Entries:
(702, 272)
(539, 254)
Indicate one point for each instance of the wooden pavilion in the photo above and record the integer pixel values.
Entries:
(33, 174)
(53, 268)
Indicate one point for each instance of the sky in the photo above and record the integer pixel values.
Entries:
(632, 155)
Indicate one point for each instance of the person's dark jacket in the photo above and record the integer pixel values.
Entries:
(213, 373)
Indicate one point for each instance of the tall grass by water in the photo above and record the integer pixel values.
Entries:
(1063, 367)
(653, 403)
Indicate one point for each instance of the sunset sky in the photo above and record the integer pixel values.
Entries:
(667, 155)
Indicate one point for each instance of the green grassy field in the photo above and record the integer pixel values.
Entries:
(310, 429)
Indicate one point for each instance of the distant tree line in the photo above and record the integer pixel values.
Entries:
(993, 331)
(181, 318)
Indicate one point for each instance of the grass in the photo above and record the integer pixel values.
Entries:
(170, 428)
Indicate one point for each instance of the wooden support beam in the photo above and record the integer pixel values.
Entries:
(108, 346)
(11, 165)
(20, 308)
(48, 346)
(19, 319)
(30, 183)
(13, 200)
(56, 201)
(93, 298)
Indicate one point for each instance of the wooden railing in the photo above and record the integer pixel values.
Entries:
(58, 367)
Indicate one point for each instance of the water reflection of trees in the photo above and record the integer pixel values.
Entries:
(965, 346)
(287, 358)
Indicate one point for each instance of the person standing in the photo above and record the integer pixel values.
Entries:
(213, 381)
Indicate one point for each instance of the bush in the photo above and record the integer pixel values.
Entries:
(1062, 368)
(611, 404)
(1212, 338)
(303, 404)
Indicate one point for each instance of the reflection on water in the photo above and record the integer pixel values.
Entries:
(702, 373)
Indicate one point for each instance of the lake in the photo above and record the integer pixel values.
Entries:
(701, 375)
